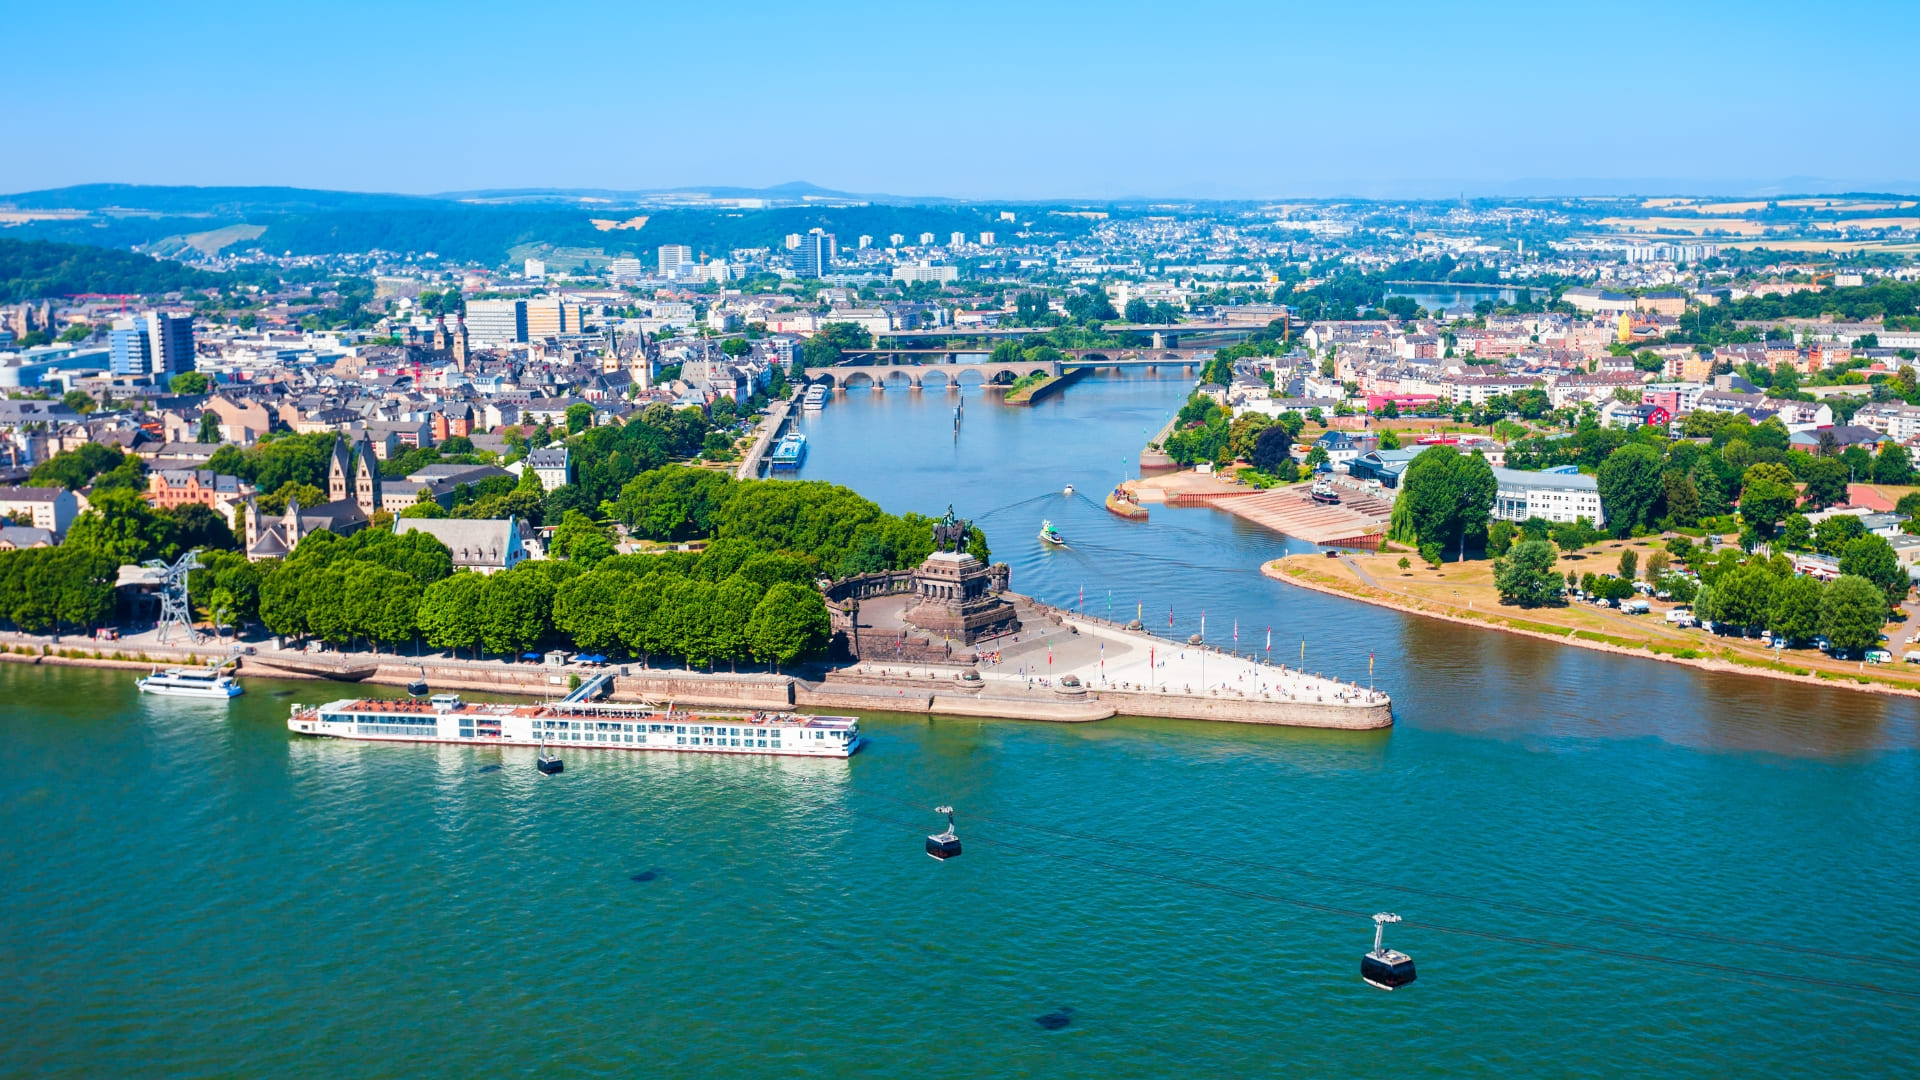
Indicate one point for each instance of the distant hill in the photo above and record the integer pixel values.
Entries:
(490, 228)
(235, 202)
(32, 269)
(795, 191)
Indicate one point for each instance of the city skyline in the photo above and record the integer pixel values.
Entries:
(1039, 102)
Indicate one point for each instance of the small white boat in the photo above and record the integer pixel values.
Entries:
(207, 682)
(1068, 491)
(1051, 535)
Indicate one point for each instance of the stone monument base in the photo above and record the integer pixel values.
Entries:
(953, 597)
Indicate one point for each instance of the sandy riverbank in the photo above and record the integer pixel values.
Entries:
(1317, 573)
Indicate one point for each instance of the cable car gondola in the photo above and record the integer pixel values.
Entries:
(1384, 967)
(418, 687)
(944, 845)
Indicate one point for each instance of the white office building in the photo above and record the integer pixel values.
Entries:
(1550, 495)
(913, 272)
(496, 322)
(673, 257)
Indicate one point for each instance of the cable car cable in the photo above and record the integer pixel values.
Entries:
(1610, 920)
(1441, 928)
(1489, 935)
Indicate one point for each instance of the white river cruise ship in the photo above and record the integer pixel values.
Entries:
(586, 725)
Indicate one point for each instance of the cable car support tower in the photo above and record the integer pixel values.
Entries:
(174, 608)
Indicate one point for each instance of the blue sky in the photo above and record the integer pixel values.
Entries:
(982, 99)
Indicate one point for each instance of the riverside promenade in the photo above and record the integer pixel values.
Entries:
(1059, 667)
(769, 430)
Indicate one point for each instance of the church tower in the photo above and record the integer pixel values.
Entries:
(366, 485)
(460, 345)
(340, 473)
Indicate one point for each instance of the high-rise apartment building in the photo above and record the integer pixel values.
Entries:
(986, 239)
(151, 343)
(625, 269)
(896, 240)
(865, 242)
(673, 257)
(550, 316)
(814, 254)
(536, 270)
(496, 322)
(926, 239)
(128, 352)
(958, 239)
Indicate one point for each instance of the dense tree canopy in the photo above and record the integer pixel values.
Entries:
(1445, 495)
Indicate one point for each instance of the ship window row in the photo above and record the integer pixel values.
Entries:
(397, 729)
(563, 726)
(716, 740)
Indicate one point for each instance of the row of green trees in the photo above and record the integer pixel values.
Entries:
(1848, 611)
(1750, 594)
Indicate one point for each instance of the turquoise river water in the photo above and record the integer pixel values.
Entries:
(1607, 866)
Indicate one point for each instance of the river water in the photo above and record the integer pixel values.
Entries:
(190, 892)
(1455, 300)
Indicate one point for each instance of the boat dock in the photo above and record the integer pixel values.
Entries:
(771, 428)
(1357, 520)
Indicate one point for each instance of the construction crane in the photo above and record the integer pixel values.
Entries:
(122, 297)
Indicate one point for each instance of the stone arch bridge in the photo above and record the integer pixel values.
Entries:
(937, 375)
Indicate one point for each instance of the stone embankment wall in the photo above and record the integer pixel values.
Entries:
(916, 699)
(1239, 710)
(697, 688)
